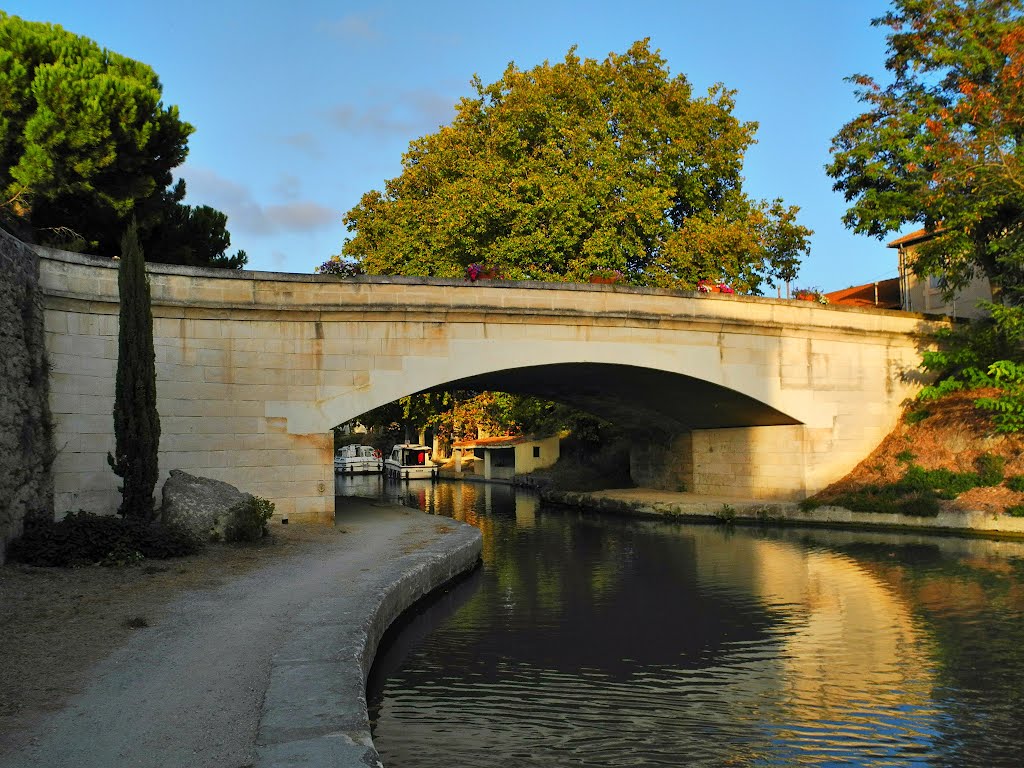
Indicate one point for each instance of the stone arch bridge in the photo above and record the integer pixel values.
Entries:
(731, 395)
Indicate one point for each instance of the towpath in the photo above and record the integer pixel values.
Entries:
(214, 681)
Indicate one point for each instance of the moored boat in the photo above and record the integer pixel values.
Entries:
(409, 461)
(358, 460)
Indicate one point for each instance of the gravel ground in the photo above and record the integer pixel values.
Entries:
(166, 664)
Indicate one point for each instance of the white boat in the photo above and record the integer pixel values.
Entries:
(409, 461)
(358, 460)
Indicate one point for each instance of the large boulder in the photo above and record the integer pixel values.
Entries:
(200, 505)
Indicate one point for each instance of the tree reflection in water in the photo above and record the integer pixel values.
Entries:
(588, 640)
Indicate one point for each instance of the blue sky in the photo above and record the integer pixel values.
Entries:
(300, 108)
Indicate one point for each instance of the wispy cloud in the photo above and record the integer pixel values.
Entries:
(246, 214)
(288, 186)
(355, 27)
(305, 142)
(409, 113)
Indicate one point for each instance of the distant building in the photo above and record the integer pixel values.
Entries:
(500, 458)
(925, 294)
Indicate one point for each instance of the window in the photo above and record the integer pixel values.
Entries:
(536, 451)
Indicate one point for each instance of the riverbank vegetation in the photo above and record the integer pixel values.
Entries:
(945, 454)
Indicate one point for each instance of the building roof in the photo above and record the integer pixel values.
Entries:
(917, 236)
(497, 442)
(887, 296)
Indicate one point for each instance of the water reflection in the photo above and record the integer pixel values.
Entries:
(588, 641)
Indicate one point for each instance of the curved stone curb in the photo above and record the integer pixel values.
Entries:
(315, 712)
(695, 509)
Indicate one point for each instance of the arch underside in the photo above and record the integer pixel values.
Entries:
(635, 398)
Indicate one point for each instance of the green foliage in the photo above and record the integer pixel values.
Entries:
(1007, 408)
(905, 457)
(943, 483)
(190, 235)
(918, 492)
(83, 538)
(940, 144)
(810, 504)
(985, 353)
(1015, 483)
(727, 514)
(577, 168)
(1017, 510)
(991, 470)
(87, 144)
(883, 498)
(136, 421)
(248, 520)
(917, 416)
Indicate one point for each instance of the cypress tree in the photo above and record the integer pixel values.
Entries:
(136, 421)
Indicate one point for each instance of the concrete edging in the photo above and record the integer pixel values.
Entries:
(314, 713)
(745, 511)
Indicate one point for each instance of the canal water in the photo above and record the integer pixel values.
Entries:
(597, 641)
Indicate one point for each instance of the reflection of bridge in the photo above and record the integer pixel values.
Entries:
(755, 396)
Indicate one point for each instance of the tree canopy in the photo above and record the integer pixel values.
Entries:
(86, 144)
(581, 167)
(941, 144)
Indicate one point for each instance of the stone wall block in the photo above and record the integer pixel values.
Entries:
(26, 422)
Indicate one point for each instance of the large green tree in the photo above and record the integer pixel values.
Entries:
(942, 142)
(136, 421)
(583, 166)
(86, 144)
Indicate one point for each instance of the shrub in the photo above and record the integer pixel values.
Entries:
(1015, 483)
(918, 493)
(990, 469)
(810, 504)
(905, 457)
(341, 267)
(889, 498)
(1015, 511)
(248, 520)
(84, 538)
(983, 353)
(916, 417)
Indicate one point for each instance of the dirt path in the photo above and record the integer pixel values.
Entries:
(80, 687)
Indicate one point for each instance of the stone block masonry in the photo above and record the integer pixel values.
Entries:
(26, 427)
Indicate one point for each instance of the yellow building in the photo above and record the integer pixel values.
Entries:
(924, 294)
(500, 458)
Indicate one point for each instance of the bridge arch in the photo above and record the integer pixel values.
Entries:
(774, 398)
(638, 398)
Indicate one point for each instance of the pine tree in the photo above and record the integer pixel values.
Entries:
(136, 421)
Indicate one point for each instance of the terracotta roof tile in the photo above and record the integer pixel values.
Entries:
(864, 295)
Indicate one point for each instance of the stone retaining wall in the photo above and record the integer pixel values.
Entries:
(26, 431)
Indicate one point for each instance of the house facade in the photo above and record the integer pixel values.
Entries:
(925, 294)
(501, 458)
